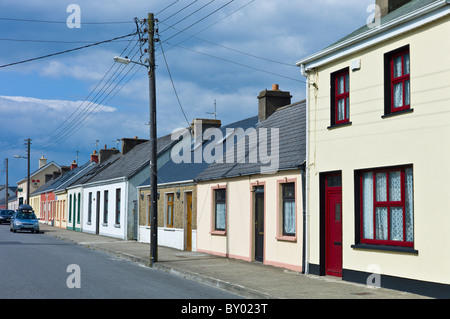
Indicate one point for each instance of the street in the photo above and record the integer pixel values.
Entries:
(36, 266)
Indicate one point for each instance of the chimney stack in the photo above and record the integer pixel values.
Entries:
(271, 100)
(105, 153)
(42, 161)
(94, 156)
(387, 6)
(129, 143)
(73, 165)
(200, 125)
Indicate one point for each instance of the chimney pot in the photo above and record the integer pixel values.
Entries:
(275, 87)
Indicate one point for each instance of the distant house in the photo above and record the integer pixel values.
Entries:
(38, 178)
(378, 103)
(11, 193)
(52, 195)
(115, 187)
(74, 199)
(252, 208)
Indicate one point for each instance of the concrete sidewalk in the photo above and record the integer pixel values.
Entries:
(250, 280)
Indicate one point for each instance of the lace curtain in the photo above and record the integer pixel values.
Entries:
(289, 217)
(220, 216)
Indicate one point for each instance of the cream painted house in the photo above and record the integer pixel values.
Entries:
(43, 174)
(378, 124)
(253, 209)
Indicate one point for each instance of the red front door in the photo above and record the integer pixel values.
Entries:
(334, 231)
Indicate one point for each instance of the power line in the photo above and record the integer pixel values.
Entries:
(238, 51)
(89, 109)
(52, 41)
(173, 85)
(61, 22)
(65, 129)
(240, 64)
(66, 51)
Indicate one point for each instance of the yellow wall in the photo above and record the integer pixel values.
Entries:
(420, 138)
(238, 242)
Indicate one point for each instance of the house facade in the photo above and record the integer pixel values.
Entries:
(377, 122)
(249, 212)
(37, 178)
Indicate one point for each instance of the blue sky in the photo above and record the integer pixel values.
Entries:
(228, 52)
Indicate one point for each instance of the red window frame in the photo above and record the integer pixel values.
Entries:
(388, 204)
(345, 96)
(403, 78)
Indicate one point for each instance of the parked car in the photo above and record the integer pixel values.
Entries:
(24, 219)
(5, 216)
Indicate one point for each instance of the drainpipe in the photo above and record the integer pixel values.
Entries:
(305, 180)
(304, 259)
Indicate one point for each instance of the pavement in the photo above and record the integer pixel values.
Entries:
(251, 280)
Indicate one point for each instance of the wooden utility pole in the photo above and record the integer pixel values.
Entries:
(153, 155)
(7, 190)
(28, 170)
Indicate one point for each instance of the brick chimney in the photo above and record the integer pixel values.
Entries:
(271, 100)
(387, 6)
(73, 165)
(129, 143)
(105, 153)
(94, 156)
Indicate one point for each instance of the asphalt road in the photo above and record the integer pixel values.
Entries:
(34, 266)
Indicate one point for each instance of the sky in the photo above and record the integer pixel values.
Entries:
(212, 56)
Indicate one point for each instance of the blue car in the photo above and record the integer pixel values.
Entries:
(24, 219)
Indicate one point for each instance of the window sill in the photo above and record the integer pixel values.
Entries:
(105, 224)
(117, 225)
(219, 232)
(334, 126)
(287, 238)
(397, 113)
(386, 248)
(88, 223)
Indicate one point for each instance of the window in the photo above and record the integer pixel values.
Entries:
(70, 208)
(288, 202)
(387, 211)
(79, 208)
(97, 208)
(105, 207)
(117, 206)
(219, 209)
(397, 81)
(169, 211)
(340, 97)
(90, 208)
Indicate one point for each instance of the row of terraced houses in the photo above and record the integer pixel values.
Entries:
(345, 183)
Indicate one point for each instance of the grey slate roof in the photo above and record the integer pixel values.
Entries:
(291, 123)
(172, 172)
(64, 180)
(132, 162)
